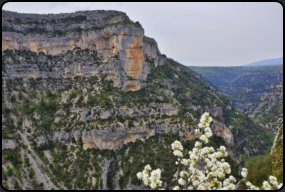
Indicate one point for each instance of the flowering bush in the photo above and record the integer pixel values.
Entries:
(212, 176)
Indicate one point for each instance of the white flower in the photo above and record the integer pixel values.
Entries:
(139, 175)
(194, 157)
(209, 134)
(220, 174)
(280, 185)
(274, 183)
(195, 183)
(197, 131)
(273, 180)
(210, 119)
(176, 188)
(205, 120)
(190, 188)
(183, 174)
(207, 129)
(231, 186)
(198, 144)
(212, 149)
(177, 153)
(201, 187)
(184, 162)
(248, 184)
(153, 185)
(232, 178)
(203, 137)
(266, 185)
(226, 182)
(181, 181)
(222, 148)
(252, 187)
(176, 162)
(244, 172)
(176, 145)
(147, 167)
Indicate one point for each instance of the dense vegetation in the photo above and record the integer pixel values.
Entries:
(79, 103)
(261, 167)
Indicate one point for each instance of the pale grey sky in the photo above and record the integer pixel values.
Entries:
(193, 33)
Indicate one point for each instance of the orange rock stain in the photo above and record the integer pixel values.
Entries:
(137, 57)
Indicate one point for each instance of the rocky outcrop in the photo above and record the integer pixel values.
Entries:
(108, 138)
(278, 138)
(119, 39)
(221, 130)
(235, 156)
(9, 144)
(169, 110)
(106, 169)
(244, 107)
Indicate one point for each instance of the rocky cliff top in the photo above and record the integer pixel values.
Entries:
(76, 16)
(114, 46)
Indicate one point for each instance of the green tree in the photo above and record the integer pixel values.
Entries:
(131, 123)
(10, 171)
(13, 98)
(31, 172)
(20, 95)
(33, 94)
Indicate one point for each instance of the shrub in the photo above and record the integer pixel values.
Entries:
(13, 98)
(130, 123)
(31, 172)
(10, 171)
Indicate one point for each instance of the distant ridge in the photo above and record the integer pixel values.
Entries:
(278, 61)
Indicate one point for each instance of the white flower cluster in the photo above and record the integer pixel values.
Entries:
(272, 184)
(204, 125)
(176, 146)
(152, 179)
(205, 120)
(215, 170)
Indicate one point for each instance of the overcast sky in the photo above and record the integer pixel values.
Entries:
(195, 34)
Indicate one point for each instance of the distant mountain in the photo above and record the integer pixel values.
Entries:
(278, 61)
(254, 83)
(221, 76)
(242, 84)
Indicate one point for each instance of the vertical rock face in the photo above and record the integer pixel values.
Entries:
(221, 130)
(110, 33)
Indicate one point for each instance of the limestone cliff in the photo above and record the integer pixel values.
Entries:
(110, 34)
(114, 139)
